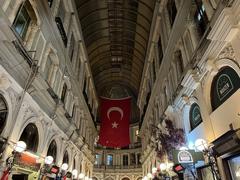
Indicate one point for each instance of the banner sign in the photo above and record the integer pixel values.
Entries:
(114, 128)
(187, 156)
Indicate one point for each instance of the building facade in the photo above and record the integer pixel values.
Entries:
(189, 85)
(194, 47)
(119, 164)
(47, 95)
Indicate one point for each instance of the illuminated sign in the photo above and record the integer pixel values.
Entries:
(27, 161)
(54, 169)
(178, 168)
(185, 157)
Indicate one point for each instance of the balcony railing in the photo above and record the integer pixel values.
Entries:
(20, 48)
(53, 94)
(61, 30)
(117, 166)
(130, 146)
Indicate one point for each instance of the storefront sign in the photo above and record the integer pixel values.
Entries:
(178, 168)
(27, 161)
(224, 86)
(195, 115)
(185, 157)
(54, 169)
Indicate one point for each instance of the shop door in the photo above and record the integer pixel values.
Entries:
(19, 177)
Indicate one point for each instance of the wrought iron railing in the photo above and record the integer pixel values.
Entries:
(20, 48)
(117, 166)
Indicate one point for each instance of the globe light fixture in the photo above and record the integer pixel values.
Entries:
(149, 175)
(163, 166)
(154, 170)
(145, 178)
(86, 178)
(64, 166)
(201, 144)
(81, 176)
(75, 173)
(48, 160)
(169, 165)
(20, 146)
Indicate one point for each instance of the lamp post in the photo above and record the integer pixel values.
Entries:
(202, 145)
(64, 167)
(75, 174)
(47, 162)
(19, 147)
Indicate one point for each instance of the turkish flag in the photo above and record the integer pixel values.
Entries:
(114, 116)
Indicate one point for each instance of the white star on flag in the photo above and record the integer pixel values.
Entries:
(114, 125)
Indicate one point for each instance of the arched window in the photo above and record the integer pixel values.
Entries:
(172, 10)
(30, 137)
(50, 2)
(224, 85)
(74, 163)
(65, 157)
(3, 113)
(73, 110)
(25, 21)
(51, 68)
(64, 92)
(200, 17)
(52, 150)
(195, 116)
(71, 47)
(179, 62)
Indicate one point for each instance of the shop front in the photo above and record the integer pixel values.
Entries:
(227, 147)
(185, 161)
(25, 166)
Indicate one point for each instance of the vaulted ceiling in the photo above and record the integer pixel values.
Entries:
(116, 35)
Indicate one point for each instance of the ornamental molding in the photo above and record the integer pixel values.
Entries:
(227, 52)
(224, 28)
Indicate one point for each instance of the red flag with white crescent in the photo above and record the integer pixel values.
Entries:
(114, 116)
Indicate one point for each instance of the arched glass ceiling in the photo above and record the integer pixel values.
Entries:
(116, 34)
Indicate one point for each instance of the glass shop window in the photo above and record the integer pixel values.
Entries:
(109, 160)
(234, 167)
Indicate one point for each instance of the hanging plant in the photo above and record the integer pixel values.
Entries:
(165, 138)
